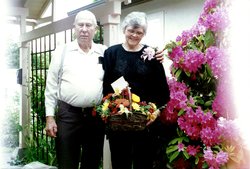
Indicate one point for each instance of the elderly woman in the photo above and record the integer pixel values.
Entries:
(146, 77)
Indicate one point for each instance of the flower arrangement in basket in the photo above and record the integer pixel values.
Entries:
(123, 111)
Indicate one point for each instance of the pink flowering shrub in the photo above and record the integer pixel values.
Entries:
(200, 102)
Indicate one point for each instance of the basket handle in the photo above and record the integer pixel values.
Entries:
(129, 98)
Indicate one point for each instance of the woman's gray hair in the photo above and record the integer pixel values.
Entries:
(135, 20)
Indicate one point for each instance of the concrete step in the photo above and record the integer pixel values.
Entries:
(5, 158)
(6, 155)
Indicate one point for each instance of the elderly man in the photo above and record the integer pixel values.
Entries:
(74, 84)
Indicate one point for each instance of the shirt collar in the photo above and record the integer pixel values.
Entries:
(94, 48)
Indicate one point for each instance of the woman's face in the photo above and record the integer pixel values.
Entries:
(133, 36)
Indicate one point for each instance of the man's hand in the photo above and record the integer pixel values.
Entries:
(51, 127)
(159, 54)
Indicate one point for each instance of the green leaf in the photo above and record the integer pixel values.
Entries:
(204, 165)
(173, 156)
(208, 70)
(171, 149)
(186, 139)
(187, 73)
(19, 128)
(201, 46)
(170, 46)
(223, 167)
(174, 141)
(179, 132)
(200, 155)
(200, 101)
(181, 112)
(216, 148)
(208, 103)
(186, 155)
(201, 75)
(209, 38)
(200, 38)
(178, 73)
(193, 46)
(178, 43)
(197, 160)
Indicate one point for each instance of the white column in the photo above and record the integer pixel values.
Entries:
(110, 19)
(110, 22)
(24, 100)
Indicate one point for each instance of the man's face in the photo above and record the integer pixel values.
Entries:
(84, 29)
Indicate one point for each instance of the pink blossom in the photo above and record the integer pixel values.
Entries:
(223, 103)
(185, 37)
(222, 158)
(200, 125)
(190, 124)
(181, 147)
(209, 5)
(177, 56)
(192, 150)
(188, 35)
(214, 21)
(190, 61)
(207, 119)
(198, 29)
(208, 154)
(230, 131)
(178, 100)
(214, 161)
(210, 136)
(170, 113)
(216, 60)
(191, 100)
(193, 61)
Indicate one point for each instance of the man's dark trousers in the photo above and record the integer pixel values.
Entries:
(80, 137)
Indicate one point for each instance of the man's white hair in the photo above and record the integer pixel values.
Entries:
(86, 14)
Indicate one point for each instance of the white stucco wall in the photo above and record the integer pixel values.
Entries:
(166, 19)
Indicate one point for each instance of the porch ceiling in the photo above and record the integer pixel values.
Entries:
(34, 8)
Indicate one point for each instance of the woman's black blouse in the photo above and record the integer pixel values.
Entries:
(147, 79)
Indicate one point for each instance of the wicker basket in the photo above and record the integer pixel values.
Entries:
(132, 122)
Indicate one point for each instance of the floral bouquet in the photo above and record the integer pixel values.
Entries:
(123, 111)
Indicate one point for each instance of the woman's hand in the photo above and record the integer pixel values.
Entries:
(153, 116)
